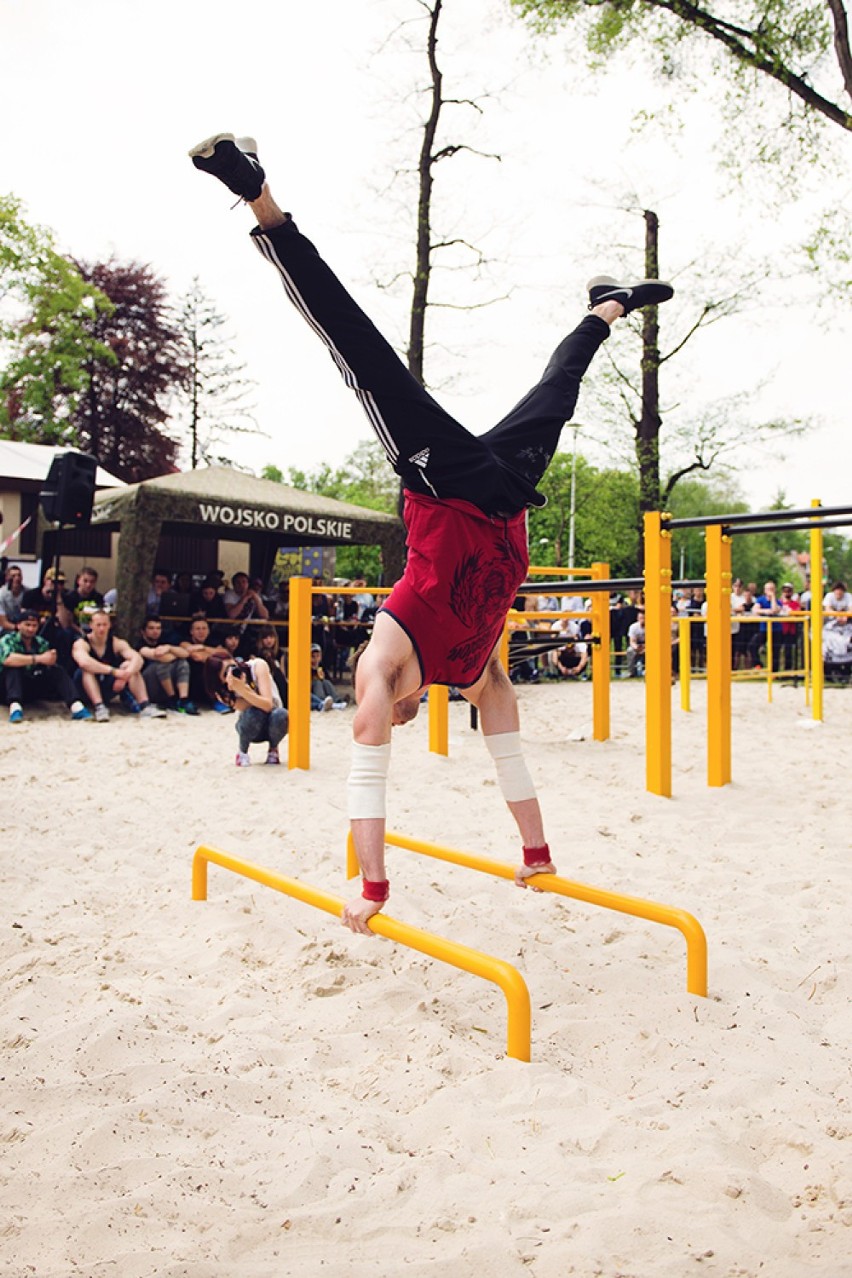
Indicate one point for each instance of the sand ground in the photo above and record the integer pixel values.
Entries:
(242, 1089)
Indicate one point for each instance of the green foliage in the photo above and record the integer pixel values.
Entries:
(365, 479)
(606, 513)
(46, 311)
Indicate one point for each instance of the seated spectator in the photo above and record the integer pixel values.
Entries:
(85, 598)
(31, 671)
(242, 602)
(323, 696)
(108, 667)
(572, 660)
(636, 646)
(11, 598)
(269, 648)
(163, 601)
(208, 601)
(197, 649)
(166, 669)
(56, 623)
(247, 686)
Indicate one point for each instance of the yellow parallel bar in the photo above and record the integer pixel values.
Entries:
(817, 667)
(658, 655)
(687, 924)
(504, 647)
(600, 656)
(719, 578)
(439, 728)
(684, 657)
(544, 571)
(500, 973)
(299, 674)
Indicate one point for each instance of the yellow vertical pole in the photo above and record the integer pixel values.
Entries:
(658, 655)
(718, 574)
(769, 659)
(504, 647)
(684, 645)
(299, 674)
(439, 730)
(817, 667)
(806, 656)
(600, 656)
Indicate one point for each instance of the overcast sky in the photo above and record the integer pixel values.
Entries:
(107, 97)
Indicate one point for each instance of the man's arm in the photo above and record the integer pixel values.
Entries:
(131, 660)
(85, 659)
(262, 699)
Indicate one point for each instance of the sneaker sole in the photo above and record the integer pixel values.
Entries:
(205, 150)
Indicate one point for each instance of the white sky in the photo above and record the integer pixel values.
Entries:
(107, 96)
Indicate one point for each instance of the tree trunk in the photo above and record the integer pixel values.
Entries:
(648, 425)
(423, 262)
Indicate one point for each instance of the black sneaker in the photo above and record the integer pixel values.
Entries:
(233, 161)
(603, 288)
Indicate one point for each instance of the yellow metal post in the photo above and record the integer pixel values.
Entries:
(502, 974)
(718, 574)
(504, 647)
(817, 667)
(658, 655)
(769, 660)
(299, 674)
(439, 730)
(684, 661)
(600, 656)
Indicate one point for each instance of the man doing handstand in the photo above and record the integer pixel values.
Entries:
(466, 498)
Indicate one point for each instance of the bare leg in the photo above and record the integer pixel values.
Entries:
(269, 215)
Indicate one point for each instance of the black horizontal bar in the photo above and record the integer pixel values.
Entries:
(757, 517)
(800, 527)
(590, 585)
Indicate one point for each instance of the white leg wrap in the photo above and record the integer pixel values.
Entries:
(513, 775)
(368, 781)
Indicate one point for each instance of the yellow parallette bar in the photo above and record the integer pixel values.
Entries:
(500, 973)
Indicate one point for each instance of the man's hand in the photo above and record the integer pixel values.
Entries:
(47, 658)
(525, 872)
(356, 913)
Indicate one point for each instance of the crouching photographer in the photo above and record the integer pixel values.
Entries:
(247, 686)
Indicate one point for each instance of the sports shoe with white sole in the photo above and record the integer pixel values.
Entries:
(603, 288)
(272, 756)
(150, 711)
(242, 760)
(233, 161)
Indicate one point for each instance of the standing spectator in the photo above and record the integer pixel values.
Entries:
(788, 640)
(11, 598)
(31, 671)
(765, 605)
(109, 667)
(163, 602)
(242, 604)
(636, 646)
(248, 687)
(56, 624)
(739, 637)
(166, 669)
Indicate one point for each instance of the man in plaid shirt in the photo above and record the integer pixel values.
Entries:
(31, 671)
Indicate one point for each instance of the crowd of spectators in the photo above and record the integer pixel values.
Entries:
(58, 644)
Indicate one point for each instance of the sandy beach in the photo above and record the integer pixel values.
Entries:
(243, 1089)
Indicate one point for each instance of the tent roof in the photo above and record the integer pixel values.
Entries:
(32, 462)
(221, 485)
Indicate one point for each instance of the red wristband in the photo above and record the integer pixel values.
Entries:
(375, 890)
(537, 856)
